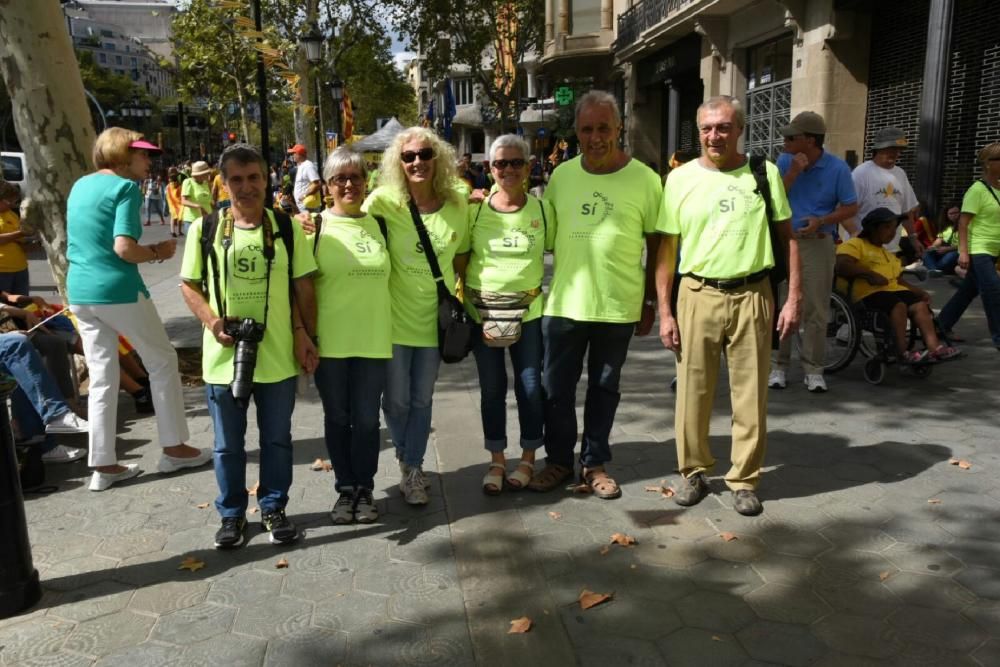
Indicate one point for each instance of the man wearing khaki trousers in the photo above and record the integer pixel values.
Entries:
(821, 193)
(713, 206)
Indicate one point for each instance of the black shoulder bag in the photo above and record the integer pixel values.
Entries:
(455, 327)
(779, 272)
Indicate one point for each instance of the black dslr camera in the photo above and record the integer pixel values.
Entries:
(248, 334)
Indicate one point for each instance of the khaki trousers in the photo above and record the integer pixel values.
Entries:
(818, 257)
(737, 322)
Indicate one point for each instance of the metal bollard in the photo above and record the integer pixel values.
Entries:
(19, 587)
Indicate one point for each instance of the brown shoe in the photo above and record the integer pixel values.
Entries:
(550, 477)
(601, 483)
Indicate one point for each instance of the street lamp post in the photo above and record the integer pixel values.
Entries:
(265, 138)
(337, 93)
(312, 40)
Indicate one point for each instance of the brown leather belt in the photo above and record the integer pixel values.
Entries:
(732, 283)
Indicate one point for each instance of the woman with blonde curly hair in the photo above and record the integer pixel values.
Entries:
(419, 167)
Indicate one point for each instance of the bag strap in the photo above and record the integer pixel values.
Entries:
(758, 168)
(209, 227)
(425, 242)
(545, 223)
(992, 191)
(318, 221)
(383, 227)
(288, 236)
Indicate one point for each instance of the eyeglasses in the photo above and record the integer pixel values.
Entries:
(340, 180)
(425, 154)
(516, 163)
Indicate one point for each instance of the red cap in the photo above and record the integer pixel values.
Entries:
(298, 148)
(144, 145)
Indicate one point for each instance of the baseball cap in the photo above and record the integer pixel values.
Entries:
(807, 122)
(889, 137)
(298, 148)
(880, 215)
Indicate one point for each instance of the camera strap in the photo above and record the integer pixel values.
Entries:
(228, 227)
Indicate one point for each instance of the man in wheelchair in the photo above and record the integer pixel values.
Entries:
(870, 274)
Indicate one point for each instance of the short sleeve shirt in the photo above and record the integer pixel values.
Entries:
(507, 250)
(721, 220)
(352, 288)
(305, 174)
(12, 257)
(601, 221)
(243, 281)
(411, 284)
(818, 190)
(199, 193)
(984, 230)
(101, 207)
(873, 258)
(878, 187)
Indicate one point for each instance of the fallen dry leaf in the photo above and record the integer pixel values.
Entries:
(933, 501)
(622, 539)
(882, 576)
(667, 492)
(964, 465)
(555, 515)
(281, 564)
(716, 638)
(590, 599)
(604, 550)
(320, 465)
(581, 488)
(253, 489)
(254, 510)
(519, 626)
(653, 489)
(201, 506)
(728, 537)
(191, 563)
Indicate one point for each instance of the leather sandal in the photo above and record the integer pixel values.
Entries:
(603, 485)
(521, 476)
(550, 477)
(493, 482)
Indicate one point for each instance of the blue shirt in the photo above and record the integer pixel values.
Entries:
(100, 208)
(819, 189)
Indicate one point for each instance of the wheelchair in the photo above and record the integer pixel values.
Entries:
(853, 328)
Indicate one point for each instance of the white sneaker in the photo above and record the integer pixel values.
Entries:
(101, 481)
(404, 470)
(917, 268)
(169, 464)
(63, 454)
(843, 334)
(67, 424)
(412, 487)
(815, 383)
(776, 380)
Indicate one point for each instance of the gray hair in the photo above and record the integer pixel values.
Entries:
(241, 154)
(713, 103)
(597, 98)
(344, 157)
(509, 141)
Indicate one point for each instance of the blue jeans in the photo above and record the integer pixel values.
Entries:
(275, 402)
(351, 390)
(37, 399)
(409, 395)
(981, 280)
(566, 341)
(526, 356)
(945, 262)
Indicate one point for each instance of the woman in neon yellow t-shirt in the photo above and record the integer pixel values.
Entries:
(509, 233)
(417, 166)
(355, 334)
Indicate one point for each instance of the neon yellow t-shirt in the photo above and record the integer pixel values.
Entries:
(874, 258)
(984, 230)
(722, 222)
(601, 221)
(12, 257)
(244, 284)
(199, 193)
(352, 289)
(507, 250)
(411, 286)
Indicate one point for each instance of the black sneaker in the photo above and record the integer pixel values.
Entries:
(143, 401)
(747, 503)
(691, 490)
(343, 510)
(232, 534)
(282, 530)
(365, 510)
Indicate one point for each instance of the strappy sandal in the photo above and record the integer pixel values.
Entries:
(493, 483)
(550, 477)
(519, 479)
(603, 485)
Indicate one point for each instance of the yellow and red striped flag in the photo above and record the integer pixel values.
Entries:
(348, 111)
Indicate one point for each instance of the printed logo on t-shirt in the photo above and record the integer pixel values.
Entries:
(439, 243)
(597, 209)
(250, 264)
(889, 191)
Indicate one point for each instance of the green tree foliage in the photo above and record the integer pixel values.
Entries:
(111, 90)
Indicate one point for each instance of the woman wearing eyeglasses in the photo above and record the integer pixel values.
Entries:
(509, 232)
(354, 330)
(417, 166)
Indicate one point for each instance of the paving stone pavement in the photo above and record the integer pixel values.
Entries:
(850, 564)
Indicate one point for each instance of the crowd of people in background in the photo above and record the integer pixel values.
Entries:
(348, 278)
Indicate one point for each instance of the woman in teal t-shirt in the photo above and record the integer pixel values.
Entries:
(355, 334)
(108, 297)
(509, 233)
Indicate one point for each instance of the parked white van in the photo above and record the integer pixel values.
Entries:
(15, 170)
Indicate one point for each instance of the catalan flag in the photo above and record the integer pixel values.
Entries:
(348, 110)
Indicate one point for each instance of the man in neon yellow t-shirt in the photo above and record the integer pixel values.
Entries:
(247, 274)
(711, 205)
(605, 206)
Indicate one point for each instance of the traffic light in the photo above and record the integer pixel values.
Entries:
(232, 137)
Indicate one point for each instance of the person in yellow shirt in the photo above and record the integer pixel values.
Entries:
(13, 262)
(220, 195)
(875, 274)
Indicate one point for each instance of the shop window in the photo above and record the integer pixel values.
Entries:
(769, 95)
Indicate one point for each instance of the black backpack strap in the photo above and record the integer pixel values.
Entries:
(545, 223)
(318, 222)
(992, 191)
(758, 167)
(287, 234)
(383, 227)
(209, 227)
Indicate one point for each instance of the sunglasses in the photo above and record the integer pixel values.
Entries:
(516, 163)
(425, 154)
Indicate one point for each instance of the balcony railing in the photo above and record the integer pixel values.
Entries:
(642, 16)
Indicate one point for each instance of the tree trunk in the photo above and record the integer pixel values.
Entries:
(51, 117)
